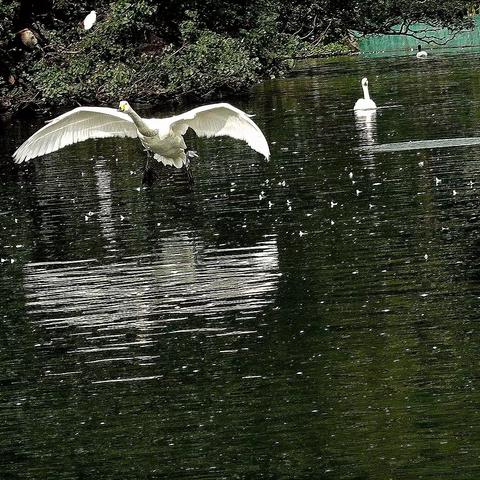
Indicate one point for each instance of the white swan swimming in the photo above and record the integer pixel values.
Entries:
(421, 53)
(365, 103)
(163, 137)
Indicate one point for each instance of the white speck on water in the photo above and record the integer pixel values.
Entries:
(424, 294)
(425, 256)
(454, 192)
(437, 181)
(301, 233)
(138, 189)
(332, 203)
(270, 204)
(122, 218)
(421, 164)
(358, 192)
(355, 272)
(350, 175)
(332, 222)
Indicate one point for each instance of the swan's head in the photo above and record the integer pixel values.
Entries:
(364, 82)
(124, 106)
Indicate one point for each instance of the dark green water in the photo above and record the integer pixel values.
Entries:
(313, 317)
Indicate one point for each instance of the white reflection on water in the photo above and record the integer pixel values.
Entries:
(157, 295)
(423, 144)
(366, 125)
(104, 193)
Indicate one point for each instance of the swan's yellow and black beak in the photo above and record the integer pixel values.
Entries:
(122, 106)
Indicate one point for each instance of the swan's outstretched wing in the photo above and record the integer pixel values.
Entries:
(75, 126)
(221, 119)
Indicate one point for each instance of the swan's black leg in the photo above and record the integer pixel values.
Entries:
(151, 172)
(188, 175)
(186, 166)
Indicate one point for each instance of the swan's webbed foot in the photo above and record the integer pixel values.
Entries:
(191, 154)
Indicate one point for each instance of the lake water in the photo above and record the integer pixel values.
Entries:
(311, 317)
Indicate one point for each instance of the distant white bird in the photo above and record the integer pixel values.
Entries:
(365, 103)
(421, 53)
(89, 20)
(163, 137)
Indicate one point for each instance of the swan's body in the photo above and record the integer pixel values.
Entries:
(89, 20)
(421, 53)
(365, 103)
(161, 136)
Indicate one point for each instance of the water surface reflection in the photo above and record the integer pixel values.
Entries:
(315, 316)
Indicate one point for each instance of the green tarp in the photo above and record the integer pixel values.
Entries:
(382, 43)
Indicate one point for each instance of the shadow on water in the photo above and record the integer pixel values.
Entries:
(314, 316)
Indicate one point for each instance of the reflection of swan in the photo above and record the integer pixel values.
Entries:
(104, 193)
(365, 103)
(366, 123)
(421, 53)
(186, 279)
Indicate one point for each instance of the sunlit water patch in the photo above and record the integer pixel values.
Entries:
(126, 310)
(424, 144)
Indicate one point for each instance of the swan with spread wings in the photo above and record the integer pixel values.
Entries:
(161, 137)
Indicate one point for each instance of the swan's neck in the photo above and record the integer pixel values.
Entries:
(142, 127)
(366, 94)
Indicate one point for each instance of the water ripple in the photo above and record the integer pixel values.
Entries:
(117, 307)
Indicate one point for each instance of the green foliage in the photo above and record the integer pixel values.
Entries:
(7, 13)
(144, 50)
(211, 63)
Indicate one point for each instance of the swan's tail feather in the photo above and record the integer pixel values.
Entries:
(173, 162)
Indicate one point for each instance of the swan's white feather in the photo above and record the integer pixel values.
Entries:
(365, 104)
(77, 125)
(221, 119)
